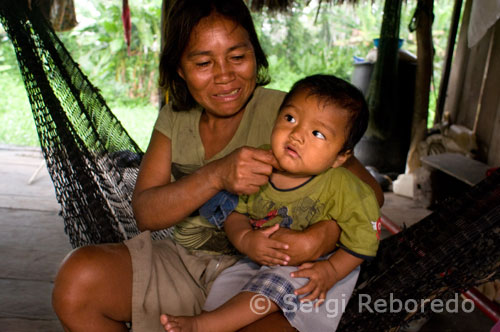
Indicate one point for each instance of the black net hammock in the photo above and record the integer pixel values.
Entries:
(93, 164)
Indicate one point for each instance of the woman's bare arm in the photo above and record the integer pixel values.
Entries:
(357, 168)
(159, 203)
(310, 244)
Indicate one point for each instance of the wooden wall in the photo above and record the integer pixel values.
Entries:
(473, 94)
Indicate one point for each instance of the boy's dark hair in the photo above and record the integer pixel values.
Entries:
(182, 17)
(333, 90)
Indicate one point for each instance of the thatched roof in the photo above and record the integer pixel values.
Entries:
(285, 5)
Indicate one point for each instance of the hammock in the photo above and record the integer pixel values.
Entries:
(93, 164)
(90, 157)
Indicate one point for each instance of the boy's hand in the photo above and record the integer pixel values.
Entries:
(257, 245)
(322, 276)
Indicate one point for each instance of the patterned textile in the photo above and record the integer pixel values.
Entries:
(274, 287)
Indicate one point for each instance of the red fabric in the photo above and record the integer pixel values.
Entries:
(127, 25)
(491, 171)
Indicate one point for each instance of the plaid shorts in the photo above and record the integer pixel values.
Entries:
(276, 284)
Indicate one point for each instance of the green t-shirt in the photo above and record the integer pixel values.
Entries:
(188, 154)
(336, 194)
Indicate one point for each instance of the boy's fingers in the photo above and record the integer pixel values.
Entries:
(302, 272)
(278, 245)
(271, 230)
(305, 266)
(312, 296)
(321, 299)
(278, 257)
(306, 289)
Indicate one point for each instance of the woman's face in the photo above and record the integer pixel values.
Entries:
(219, 66)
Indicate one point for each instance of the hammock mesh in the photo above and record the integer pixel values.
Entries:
(451, 250)
(91, 159)
(93, 164)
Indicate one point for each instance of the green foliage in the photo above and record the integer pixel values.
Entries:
(99, 46)
(306, 41)
(16, 122)
(301, 43)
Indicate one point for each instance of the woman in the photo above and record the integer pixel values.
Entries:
(205, 140)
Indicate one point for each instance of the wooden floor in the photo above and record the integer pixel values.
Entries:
(32, 244)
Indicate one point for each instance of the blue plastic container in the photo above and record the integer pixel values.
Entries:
(376, 41)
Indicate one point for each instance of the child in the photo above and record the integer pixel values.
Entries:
(320, 121)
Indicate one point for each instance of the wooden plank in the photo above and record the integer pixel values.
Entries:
(494, 147)
(458, 67)
(467, 170)
(474, 72)
(488, 128)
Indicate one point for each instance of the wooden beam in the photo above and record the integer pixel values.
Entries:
(382, 89)
(425, 54)
(445, 76)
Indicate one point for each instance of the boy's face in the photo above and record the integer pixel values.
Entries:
(308, 135)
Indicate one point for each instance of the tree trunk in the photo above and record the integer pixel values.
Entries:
(425, 53)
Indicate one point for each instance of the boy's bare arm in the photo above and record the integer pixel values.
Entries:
(256, 244)
(343, 263)
(236, 226)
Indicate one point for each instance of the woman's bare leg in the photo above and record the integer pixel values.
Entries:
(272, 322)
(93, 289)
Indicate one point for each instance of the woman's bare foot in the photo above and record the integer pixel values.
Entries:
(179, 323)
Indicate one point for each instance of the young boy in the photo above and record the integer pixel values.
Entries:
(320, 121)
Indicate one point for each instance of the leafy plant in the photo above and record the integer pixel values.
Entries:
(300, 43)
(100, 48)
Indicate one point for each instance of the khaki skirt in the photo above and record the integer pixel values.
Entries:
(167, 278)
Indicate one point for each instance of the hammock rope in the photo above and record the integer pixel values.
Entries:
(91, 159)
(93, 163)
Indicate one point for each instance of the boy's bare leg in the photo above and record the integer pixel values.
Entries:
(93, 289)
(238, 312)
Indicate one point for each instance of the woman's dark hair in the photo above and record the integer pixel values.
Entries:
(333, 90)
(182, 17)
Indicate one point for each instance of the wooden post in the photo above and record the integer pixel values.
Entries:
(385, 143)
(445, 77)
(425, 55)
(165, 5)
(382, 88)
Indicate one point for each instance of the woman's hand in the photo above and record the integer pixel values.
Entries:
(309, 244)
(244, 170)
